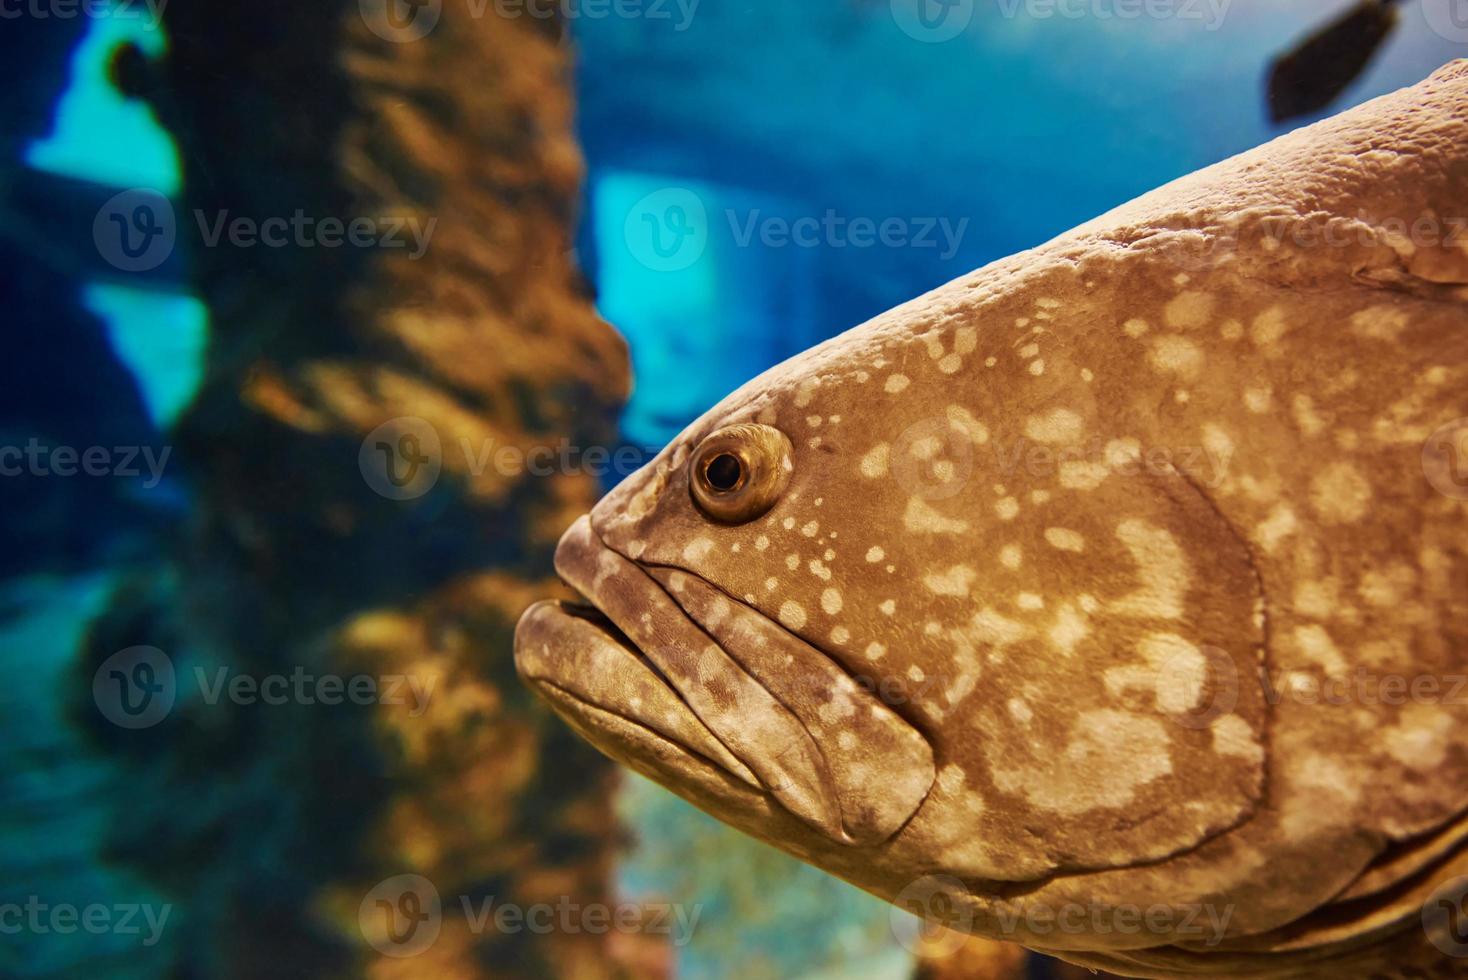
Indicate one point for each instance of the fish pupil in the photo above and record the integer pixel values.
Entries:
(724, 472)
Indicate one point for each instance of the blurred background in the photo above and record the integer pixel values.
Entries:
(326, 318)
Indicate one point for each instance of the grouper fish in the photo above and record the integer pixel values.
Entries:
(1115, 594)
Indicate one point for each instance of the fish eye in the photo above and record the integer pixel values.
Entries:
(724, 472)
(737, 473)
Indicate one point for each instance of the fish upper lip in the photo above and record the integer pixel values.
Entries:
(676, 723)
(588, 611)
(739, 723)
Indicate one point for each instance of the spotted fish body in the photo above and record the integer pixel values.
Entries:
(1083, 578)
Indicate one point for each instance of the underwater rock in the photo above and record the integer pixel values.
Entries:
(274, 825)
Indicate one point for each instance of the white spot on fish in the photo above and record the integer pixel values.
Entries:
(954, 582)
(1069, 629)
(925, 448)
(1232, 736)
(1176, 355)
(921, 518)
(1059, 425)
(896, 384)
(875, 554)
(792, 614)
(874, 463)
(1267, 329)
(1379, 323)
(962, 420)
(1278, 525)
(1082, 475)
(1065, 539)
(831, 602)
(1162, 568)
(1010, 556)
(1340, 494)
(1188, 310)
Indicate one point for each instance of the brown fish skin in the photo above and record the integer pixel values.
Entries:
(1083, 531)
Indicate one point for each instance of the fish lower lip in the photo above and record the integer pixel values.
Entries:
(605, 670)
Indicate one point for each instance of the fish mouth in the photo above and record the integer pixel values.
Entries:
(590, 671)
(665, 673)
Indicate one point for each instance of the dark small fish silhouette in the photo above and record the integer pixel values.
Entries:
(1313, 74)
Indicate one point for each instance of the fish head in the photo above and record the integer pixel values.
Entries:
(824, 615)
(732, 638)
